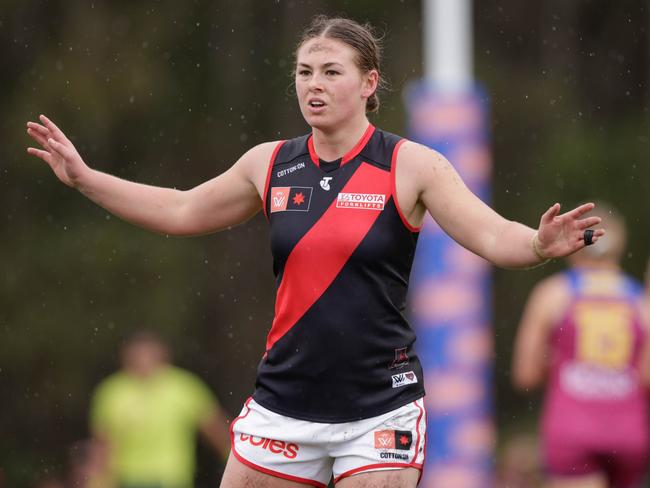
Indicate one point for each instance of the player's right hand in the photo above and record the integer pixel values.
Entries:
(57, 151)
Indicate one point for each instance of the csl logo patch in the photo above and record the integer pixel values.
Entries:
(290, 198)
(403, 379)
(393, 439)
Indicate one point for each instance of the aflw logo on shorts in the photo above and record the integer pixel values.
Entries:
(393, 439)
(369, 201)
(404, 379)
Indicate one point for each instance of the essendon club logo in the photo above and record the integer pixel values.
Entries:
(401, 358)
(290, 198)
(393, 439)
(366, 201)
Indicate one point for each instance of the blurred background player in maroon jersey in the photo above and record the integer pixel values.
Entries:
(584, 335)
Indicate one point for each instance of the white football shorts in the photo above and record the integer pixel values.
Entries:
(312, 452)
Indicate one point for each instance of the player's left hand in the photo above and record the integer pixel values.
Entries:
(562, 234)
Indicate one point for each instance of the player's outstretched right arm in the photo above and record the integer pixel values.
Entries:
(224, 201)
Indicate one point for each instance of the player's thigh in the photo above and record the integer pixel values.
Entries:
(595, 480)
(395, 478)
(238, 475)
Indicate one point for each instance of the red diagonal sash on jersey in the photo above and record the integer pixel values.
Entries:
(316, 260)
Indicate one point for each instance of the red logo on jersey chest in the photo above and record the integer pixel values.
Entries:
(290, 198)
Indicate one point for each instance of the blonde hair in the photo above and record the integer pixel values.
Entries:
(611, 246)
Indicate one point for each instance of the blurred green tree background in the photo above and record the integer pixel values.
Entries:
(172, 93)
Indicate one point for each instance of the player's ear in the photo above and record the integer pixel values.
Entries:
(371, 80)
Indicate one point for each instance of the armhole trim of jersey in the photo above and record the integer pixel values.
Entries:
(268, 176)
(393, 187)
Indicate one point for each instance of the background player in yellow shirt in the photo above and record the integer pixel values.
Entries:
(145, 417)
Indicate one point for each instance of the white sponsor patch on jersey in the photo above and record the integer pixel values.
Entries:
(404, 379)
(288, 171)
(367, 201)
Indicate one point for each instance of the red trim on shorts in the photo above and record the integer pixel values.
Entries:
(276, 473)
(424, 450)
(417, 429)
(348, 156)
(232, 424)
(268, 176)
(378, 466)
(393, 187)
(413, 464)
(260, 468)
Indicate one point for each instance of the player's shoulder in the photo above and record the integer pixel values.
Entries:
(632, 285)
(257, 158)
(552, 292)
(112, 385)
(548, 300)
(184, 377)
(262, 151)
(415, 155)
(555, 284)
(422, 167)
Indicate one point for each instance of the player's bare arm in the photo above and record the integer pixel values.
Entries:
(426, 181)
(226, 200)
(543, 309)
(214, 429)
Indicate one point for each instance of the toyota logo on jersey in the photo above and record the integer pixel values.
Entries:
(367, 201)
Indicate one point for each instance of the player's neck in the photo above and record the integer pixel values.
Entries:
(331, 145)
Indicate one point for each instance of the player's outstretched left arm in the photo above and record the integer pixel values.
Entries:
(468, 220)
(226, 200)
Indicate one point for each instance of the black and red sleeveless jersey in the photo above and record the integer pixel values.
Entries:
(340, 348)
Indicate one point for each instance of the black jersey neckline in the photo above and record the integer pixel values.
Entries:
(329, 166)
(350, 155)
